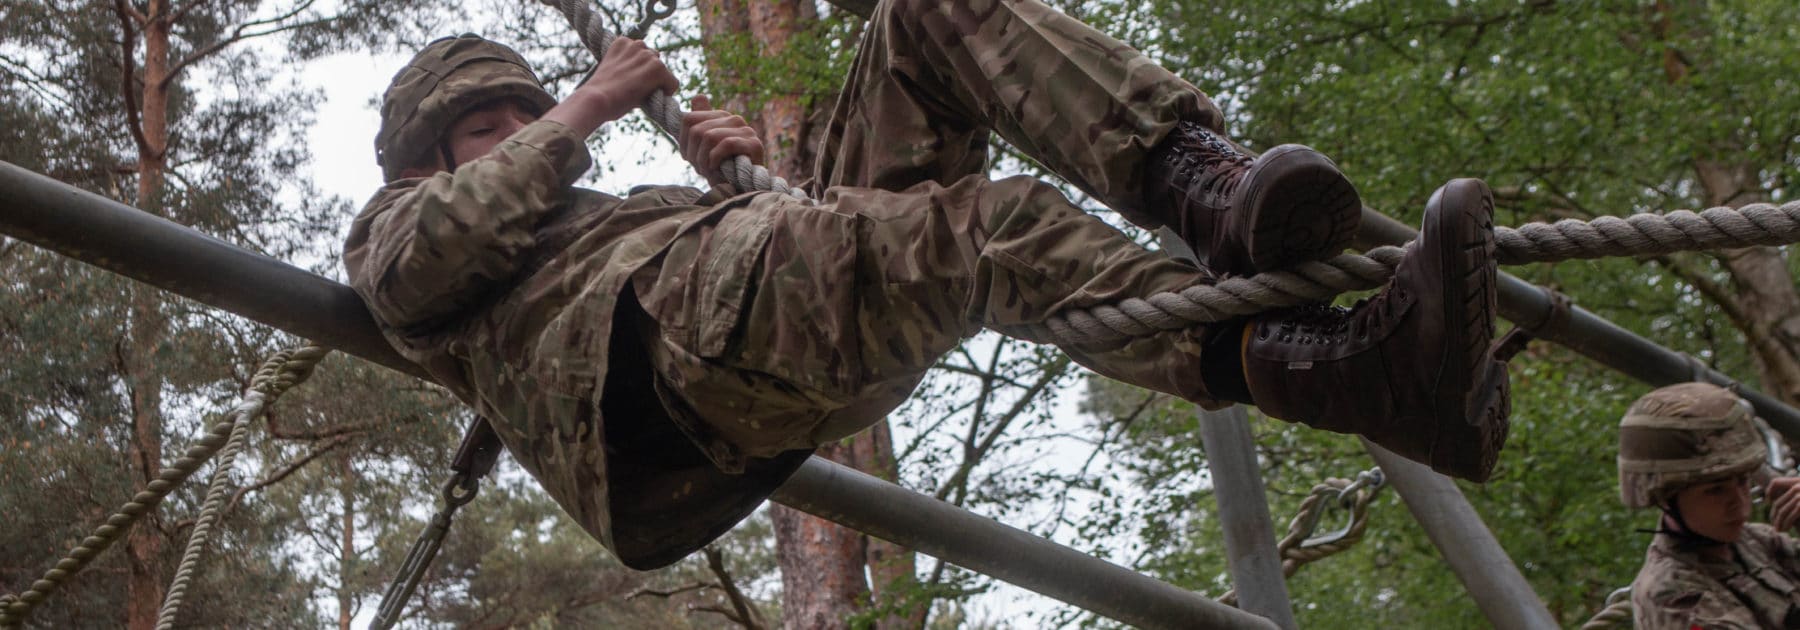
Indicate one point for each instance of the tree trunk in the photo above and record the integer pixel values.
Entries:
(822, 564)
(719, 19)
(346, 597)
(148, 326)
(822, 582)
(892, 568)
(1764, 300)
(144, 592)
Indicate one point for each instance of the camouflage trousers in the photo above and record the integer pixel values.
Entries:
(910, 248)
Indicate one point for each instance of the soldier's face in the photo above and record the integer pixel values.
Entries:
(1718, 509)
(478, 130)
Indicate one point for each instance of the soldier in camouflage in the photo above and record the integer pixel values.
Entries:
(1691, 451)
(661, 362)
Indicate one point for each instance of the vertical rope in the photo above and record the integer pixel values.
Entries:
(662, 109)
(284, 370)
(275, 376)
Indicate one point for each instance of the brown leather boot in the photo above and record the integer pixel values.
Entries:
(1244, 215)
(1411, 368)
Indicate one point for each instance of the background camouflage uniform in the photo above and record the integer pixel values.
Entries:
(1678, 589)
(770, 324)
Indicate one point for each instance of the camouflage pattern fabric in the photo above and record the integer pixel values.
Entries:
(932, 77)
(1679, 590)
(762, 325)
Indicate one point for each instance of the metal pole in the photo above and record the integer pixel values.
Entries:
(1589, 335)
(866, 503)
(125, 240)
(1465, 543)
(173, 257)
(1244, 515)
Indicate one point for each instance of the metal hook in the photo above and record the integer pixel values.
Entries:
(653, 10)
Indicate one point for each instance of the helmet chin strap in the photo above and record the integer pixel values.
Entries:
(444, 153)
(1682, 532)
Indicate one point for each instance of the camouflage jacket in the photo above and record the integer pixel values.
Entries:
(1678, 589)
(501, 279)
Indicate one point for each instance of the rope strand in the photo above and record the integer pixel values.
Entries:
(279, 373)
(1753, 225)
(662, 109)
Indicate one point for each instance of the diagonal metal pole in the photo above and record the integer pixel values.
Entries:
(1250, 544)
(135, 244)
(1250, 551)
(1466, 544)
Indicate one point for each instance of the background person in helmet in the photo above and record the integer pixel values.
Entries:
(1691, 451)
(660, 362)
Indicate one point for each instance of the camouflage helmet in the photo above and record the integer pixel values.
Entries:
(1681, 435)
(447, 78)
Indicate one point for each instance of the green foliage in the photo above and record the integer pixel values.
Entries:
(1568, 110)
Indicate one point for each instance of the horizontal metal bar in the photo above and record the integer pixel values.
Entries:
(173, 257)
(122, 239)
(1591, 336)
(869, 504)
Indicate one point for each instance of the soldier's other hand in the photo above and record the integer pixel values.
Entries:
(710, 136)
(627, 76)
(1784, 505)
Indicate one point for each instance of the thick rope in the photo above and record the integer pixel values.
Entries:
(1618, 611)
(1313, 282)
(1615, 615)
(1298, 548)
(662, 109)
(281, 372)
(17, 607)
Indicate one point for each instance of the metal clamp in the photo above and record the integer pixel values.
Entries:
(1343, 498)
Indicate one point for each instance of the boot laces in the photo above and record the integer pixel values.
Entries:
(1315, 324)
(1207, 162)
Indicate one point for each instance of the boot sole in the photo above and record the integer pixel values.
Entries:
(1473, 402)
(1301, 208)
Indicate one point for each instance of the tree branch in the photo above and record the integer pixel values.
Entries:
(276, 477)
(336, 431)
(746, 614)
(960, 479)
(136, 16)
(128, 73)
(670, 593)
(238, 34)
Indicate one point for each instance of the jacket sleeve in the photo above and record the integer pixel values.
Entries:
(426, 249)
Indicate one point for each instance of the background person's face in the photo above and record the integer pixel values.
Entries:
(1716, 509)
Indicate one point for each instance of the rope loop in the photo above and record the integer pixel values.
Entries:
(1300, 547)
(1616, 612)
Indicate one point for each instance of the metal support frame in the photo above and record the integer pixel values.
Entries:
(1465, 543)
(1250, 550)
(121, 239)
(861, 501)
(116, 237)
